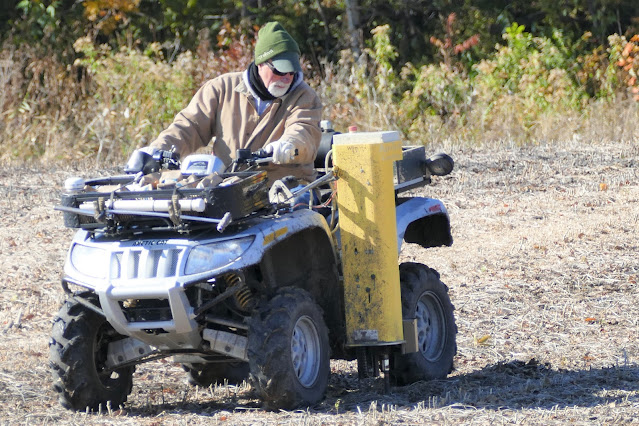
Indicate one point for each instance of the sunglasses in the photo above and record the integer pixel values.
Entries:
(276, 72)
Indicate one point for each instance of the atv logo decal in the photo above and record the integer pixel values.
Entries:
(274, 235)
(149, 243)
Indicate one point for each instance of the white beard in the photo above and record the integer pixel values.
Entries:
(278, 90)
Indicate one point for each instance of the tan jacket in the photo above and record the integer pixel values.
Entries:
(224, 109)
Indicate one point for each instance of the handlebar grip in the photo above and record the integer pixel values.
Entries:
(260, 153)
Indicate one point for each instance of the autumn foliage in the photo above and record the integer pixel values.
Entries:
(106, 15)
(106, 76)
(629, 65)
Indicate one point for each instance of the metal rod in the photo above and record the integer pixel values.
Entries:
(89, 305)
(225, 220)
(219, 298)
(328, 177)
(226, 322)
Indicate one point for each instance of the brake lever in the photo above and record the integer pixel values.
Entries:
(260, 153)
(261, 157)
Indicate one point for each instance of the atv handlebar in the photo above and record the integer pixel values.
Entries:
(142, 161)
(255, 157)
(250, 158)
(167, 159)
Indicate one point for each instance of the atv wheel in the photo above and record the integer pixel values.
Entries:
(205, 375)
(288, 350)
(77, 355)
(425, 298)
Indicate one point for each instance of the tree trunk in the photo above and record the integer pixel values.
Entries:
(352, 18)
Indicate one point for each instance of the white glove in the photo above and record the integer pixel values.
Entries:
(283, 152)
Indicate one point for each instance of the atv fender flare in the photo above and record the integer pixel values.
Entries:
(423, 221)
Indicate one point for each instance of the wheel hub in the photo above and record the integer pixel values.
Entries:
(305, 351)
(430, 326)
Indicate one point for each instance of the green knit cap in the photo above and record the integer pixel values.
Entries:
(273, 42)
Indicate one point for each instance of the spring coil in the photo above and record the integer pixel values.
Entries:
(244, 297)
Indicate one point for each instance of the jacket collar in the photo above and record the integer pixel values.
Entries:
(243, 88)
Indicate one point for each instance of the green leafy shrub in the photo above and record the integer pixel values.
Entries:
(38, 96)
(361, 91)
(527, 78)
(232, 52)
(113, 100)
(368, 92)
(438, 91)
(40, 20)
(596, 73)
(136, 94)
(109, 101)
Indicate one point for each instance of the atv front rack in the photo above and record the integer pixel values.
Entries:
(121, 210)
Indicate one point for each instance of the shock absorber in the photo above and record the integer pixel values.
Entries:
(243, 297)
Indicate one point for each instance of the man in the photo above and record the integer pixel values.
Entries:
(266, 106)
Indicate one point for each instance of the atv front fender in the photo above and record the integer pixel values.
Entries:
(423, 221)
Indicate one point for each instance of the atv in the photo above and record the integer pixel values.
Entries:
(240, 278)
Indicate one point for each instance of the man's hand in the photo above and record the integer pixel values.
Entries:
(140, 158)
(283, 152)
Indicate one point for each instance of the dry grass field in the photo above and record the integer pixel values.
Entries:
(543, 274)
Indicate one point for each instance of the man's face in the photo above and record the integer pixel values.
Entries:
(277, 85)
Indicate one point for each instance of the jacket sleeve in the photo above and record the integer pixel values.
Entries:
(302, 126)
(192, 127)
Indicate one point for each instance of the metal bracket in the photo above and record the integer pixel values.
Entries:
(126, 350)
(226, 343)
(175, 212)
(279, 193)
(411, 340)
(100, 210)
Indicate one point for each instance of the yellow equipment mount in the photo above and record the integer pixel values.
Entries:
(368, 230)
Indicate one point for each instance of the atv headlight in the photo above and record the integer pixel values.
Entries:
(90, 261)
(212, 256)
